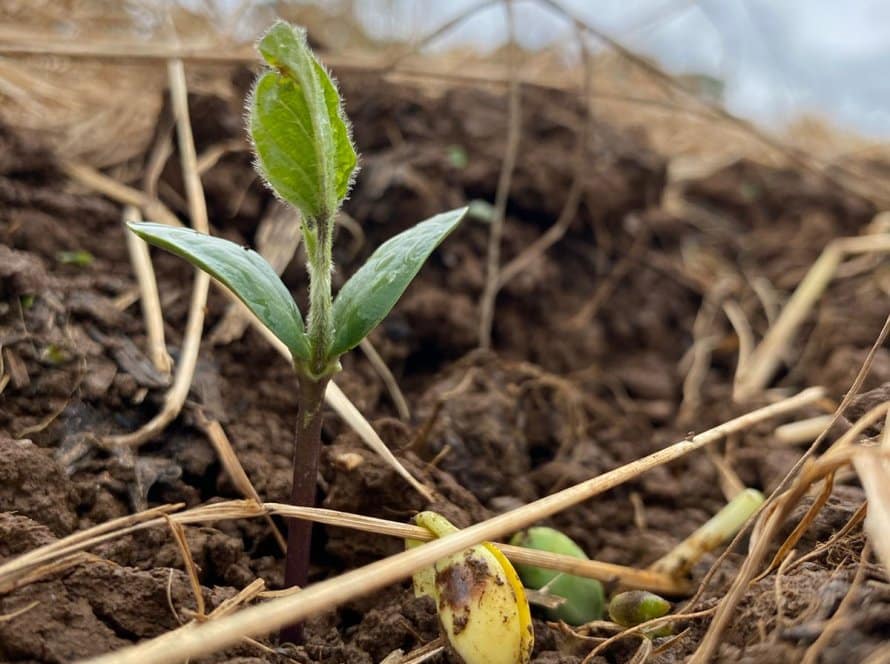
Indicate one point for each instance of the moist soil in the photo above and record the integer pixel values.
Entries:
(592, 348)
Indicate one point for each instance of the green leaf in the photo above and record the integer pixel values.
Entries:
(373, 291)
(344, 150)
(241, 270)
(299, 130)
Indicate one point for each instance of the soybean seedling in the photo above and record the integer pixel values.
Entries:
(479, 598)
(304, 152)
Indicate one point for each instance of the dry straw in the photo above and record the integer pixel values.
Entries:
(767, 356)
(188, 357)
(800, 479)
(148, 296)
(46, 559)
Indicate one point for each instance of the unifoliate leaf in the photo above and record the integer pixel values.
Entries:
(344, 150)
(241, 270)
(372, 292)
(284, 144)
(298, 127)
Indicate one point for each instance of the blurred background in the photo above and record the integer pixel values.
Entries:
(768, 61)
(814, 71)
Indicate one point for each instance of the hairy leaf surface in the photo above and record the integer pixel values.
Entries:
(298, 127)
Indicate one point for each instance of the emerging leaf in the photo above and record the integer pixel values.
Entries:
(243, 271)
(374, 290)
(299, 130)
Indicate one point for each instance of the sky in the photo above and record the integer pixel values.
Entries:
(778, 58)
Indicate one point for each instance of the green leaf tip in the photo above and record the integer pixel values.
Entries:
(299, 130)
(369, 295)
(243, 271)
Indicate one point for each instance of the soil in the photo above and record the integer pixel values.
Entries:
(591, 350)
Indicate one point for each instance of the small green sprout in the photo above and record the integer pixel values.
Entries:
(457, 156)
(481, 603)
(54, 355)
(715, 531)
(637, 606)
(481, 211)
(585, 598)
(79, 258)
(304, 152)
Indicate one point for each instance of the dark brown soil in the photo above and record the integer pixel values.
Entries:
(568, 393)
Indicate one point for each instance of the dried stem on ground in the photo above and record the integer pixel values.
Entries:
(730, 483)
(502, 194)
(6, 617)
(189, 563)
(609, 572)
(211, 156)
(802, 431)
(767, 356)
(774, 514)
(801, 528)
(417, 656)
(226, 453)
(742, 329)
(389, 381)
(188, 357)
(638, 629)
(90, 177)
(873, 468)
(140, 259)
(347, 410)
(12, 569)
(609, 284)
(852, 522)
(573, 199)
(699, 354)
(160, 152)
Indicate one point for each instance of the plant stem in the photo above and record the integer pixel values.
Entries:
(320, 327)
(306, 452)
(313, 380)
